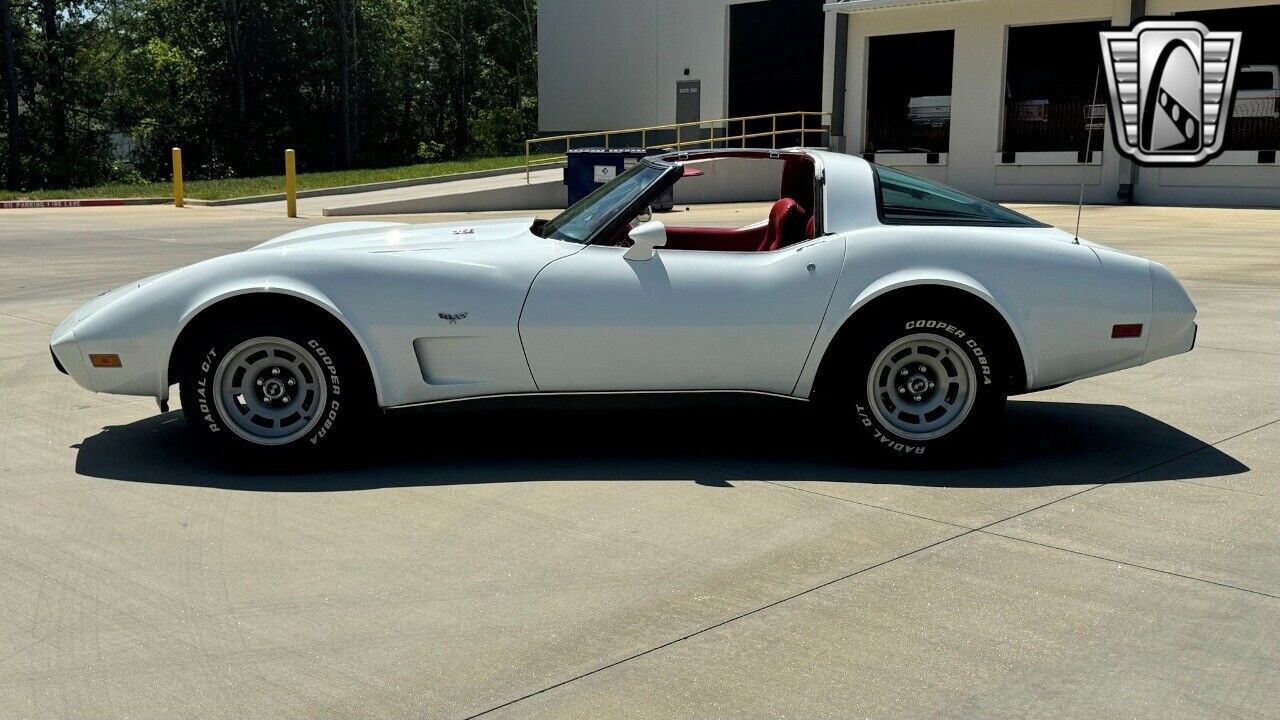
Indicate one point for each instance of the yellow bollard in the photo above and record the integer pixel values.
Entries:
(177, 177)
(290, 184)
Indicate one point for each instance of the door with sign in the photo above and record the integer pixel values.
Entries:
(688, 101)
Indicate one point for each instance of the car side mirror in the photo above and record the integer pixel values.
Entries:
(645, 216)
(645, 238)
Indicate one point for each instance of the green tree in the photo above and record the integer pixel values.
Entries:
(13, 126)
(101, 89)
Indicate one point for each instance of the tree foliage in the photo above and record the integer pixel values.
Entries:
(103, 88)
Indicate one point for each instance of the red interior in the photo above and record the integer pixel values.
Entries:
(699, 238)
(791, 219)
(797, 183)
(786, 226)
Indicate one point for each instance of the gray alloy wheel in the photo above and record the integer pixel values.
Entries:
(921, 386)
(270, 391)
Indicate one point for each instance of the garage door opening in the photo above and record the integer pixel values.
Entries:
(909, 92)
(1255, 115)
(775, 65)
(1050, 74)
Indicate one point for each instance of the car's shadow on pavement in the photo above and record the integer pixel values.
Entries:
(1038, 444)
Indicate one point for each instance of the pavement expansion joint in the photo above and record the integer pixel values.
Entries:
(720, 624)
(1137, 566)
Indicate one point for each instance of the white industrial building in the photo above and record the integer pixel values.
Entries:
(990, 96)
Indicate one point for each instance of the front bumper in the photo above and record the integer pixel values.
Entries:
(113, 323)
(67, 357)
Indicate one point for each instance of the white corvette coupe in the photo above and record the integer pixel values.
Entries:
(909, 309)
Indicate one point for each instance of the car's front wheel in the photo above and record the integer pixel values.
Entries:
(275, 389)
(922, 386)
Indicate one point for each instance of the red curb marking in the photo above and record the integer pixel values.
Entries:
(24, 204)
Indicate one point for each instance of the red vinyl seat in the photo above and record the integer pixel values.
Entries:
(786, 226)
(791, 219)
(797, 184)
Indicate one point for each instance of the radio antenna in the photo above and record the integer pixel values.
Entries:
(1088, 150)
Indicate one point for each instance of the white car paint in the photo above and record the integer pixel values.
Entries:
(543, 315)
(683, 320)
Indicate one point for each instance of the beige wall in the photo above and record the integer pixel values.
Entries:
(615, 63)
(977, 101)
(621, 76)
(609, 64)
(977, 92)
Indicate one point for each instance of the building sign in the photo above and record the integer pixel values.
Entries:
(1032, 111)
(1095, 116)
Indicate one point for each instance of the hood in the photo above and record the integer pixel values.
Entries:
(390, 237)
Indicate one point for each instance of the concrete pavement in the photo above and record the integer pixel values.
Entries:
(1121, 559)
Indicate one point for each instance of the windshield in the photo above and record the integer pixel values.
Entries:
(580, 222)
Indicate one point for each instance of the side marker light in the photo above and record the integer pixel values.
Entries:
(1130, 330)
(105, 361)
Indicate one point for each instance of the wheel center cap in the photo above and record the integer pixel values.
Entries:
(918, 384)
(273, 388)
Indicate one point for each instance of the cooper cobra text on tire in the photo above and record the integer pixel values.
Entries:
(922, 385)
(275, 388)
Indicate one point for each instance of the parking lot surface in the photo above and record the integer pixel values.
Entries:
(1121, 558)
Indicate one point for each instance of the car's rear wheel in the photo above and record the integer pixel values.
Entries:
(921, 386)
(277, 388)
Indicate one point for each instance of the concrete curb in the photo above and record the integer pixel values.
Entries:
(80, 202)
(369, 187)
(319, 192)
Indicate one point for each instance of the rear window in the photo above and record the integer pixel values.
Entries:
(904, 199)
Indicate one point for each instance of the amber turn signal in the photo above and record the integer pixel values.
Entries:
(105, 361)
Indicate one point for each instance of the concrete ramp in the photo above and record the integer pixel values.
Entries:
(731, 180)
(544, 190)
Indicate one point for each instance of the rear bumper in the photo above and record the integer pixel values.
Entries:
(1166, 342)
(1173, 329)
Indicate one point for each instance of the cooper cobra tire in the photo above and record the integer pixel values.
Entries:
(287, 388)
(922, 386)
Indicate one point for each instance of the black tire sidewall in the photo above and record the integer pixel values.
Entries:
(340, 376)
(989, 374)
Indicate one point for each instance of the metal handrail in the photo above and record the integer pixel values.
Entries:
(824, 127)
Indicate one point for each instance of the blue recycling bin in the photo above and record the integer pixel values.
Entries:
(588, 168)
